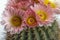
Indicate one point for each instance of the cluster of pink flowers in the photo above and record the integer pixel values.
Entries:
(20, 14)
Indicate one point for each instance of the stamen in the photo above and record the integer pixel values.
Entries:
(52, 4)
(36, 1)
(16, 21)
(42, 15)
(31, 21)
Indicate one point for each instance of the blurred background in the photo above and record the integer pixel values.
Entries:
(2, 7)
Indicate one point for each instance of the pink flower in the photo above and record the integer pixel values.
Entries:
(44, 14)
(13, 20)
(22, 4)
(30, 18)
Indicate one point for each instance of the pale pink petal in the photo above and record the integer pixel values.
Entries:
(49, 12)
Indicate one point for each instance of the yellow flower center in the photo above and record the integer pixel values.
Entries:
(52, 4)
(16, 21)
(31, 21)
(42, 15)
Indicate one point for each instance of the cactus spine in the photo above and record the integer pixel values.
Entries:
(37, 33)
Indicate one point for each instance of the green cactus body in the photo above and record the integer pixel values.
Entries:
(37, 33)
